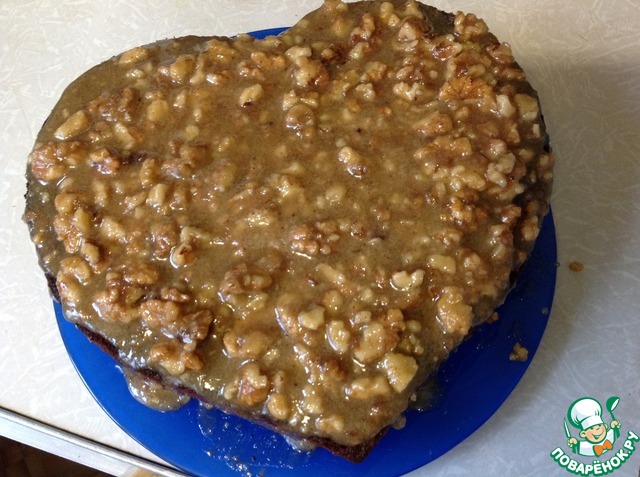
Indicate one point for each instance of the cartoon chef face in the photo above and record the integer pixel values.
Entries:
(586, 414)
(595, 434)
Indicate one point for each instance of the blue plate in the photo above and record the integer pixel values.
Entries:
(207, 442)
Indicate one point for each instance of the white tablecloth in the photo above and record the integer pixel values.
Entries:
(583, 56)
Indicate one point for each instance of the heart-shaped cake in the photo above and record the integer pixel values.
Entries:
(300, 229)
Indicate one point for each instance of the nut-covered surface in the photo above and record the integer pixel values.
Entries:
(300, 228)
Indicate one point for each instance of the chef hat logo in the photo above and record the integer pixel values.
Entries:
(584, 413)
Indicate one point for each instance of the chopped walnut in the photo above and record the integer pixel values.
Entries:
(400, 370)
(172, 357)
(252, 344)
(168, 317)
(242, 279)
(519, 353)
(51, 162)
(453, 313)
(253, 386)
(315, 239)
(576, 266)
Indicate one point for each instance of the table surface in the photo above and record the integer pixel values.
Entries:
(581, 55)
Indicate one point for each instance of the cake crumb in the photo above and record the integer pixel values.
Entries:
(576, 266)
(493, 318)
(519, 353)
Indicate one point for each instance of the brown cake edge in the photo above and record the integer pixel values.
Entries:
(353, 454)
